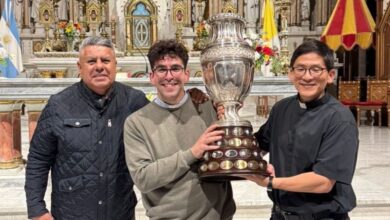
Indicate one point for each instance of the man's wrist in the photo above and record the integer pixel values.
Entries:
(269, 185)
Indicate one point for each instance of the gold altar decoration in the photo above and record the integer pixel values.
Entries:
(180, 12)
(284, 6)
(45, 74)
(53, 74)
(229, 7)
(179, 18)
(58, 45)
(103, 32)
(132, 25)
(113, 29)
(94, 16)
(46, 18)
(82, 20)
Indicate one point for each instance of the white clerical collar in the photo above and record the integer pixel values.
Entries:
(163, 104)
(302, 104)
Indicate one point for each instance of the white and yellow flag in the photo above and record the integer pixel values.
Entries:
(270, 32)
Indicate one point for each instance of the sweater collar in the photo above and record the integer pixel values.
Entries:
(165, 105)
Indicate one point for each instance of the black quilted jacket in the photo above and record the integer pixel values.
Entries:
(82, 143)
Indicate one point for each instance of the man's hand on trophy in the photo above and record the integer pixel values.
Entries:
(262, 180)
(207, 141)
(198, 96)
(221, 110)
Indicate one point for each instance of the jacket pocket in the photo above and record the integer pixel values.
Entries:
(78, 134)
(71, 184)
(72, 199)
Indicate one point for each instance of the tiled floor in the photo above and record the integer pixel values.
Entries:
(371, 183)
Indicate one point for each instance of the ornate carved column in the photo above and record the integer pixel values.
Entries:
(10, 154)
(284, 7)
(34, 110)
(251, 15)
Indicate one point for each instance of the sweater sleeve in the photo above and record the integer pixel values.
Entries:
(148, 173)
(42, 153)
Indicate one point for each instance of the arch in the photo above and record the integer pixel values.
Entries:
(141, 25)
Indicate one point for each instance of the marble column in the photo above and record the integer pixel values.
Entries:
(34, 109)
(295, 13)
(26, 17)
(240, 7)
(10, 154)
(16, 126)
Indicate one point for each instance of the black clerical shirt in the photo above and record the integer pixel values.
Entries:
(319, 136)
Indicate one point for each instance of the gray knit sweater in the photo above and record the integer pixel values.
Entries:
(158, 155)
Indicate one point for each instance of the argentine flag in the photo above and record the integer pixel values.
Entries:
(10, 53)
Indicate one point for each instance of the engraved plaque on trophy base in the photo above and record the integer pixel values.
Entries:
(239, 155)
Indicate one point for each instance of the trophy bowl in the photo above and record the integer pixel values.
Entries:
(228, 68)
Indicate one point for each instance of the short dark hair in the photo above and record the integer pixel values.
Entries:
(314, 46)
(171, 48)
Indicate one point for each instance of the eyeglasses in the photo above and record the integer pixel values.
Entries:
(175, 71)
(314, 71)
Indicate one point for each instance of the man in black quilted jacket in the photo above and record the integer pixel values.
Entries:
(79, 138)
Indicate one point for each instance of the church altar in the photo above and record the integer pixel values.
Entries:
(21, 89)
(30, 95)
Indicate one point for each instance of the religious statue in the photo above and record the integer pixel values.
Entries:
(18, 12)
(305, 10)
(35, 10)
(198, 7)
(251, 15)
(63, 10)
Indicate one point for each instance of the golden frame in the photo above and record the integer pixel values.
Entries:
(129, 19)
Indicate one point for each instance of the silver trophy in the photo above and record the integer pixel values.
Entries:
(228, 68)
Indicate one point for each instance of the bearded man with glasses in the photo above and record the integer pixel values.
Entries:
(165, 140)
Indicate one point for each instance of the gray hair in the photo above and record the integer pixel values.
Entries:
(96, 41)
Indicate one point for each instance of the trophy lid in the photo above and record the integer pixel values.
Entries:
(226, 17)
(227, 28)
